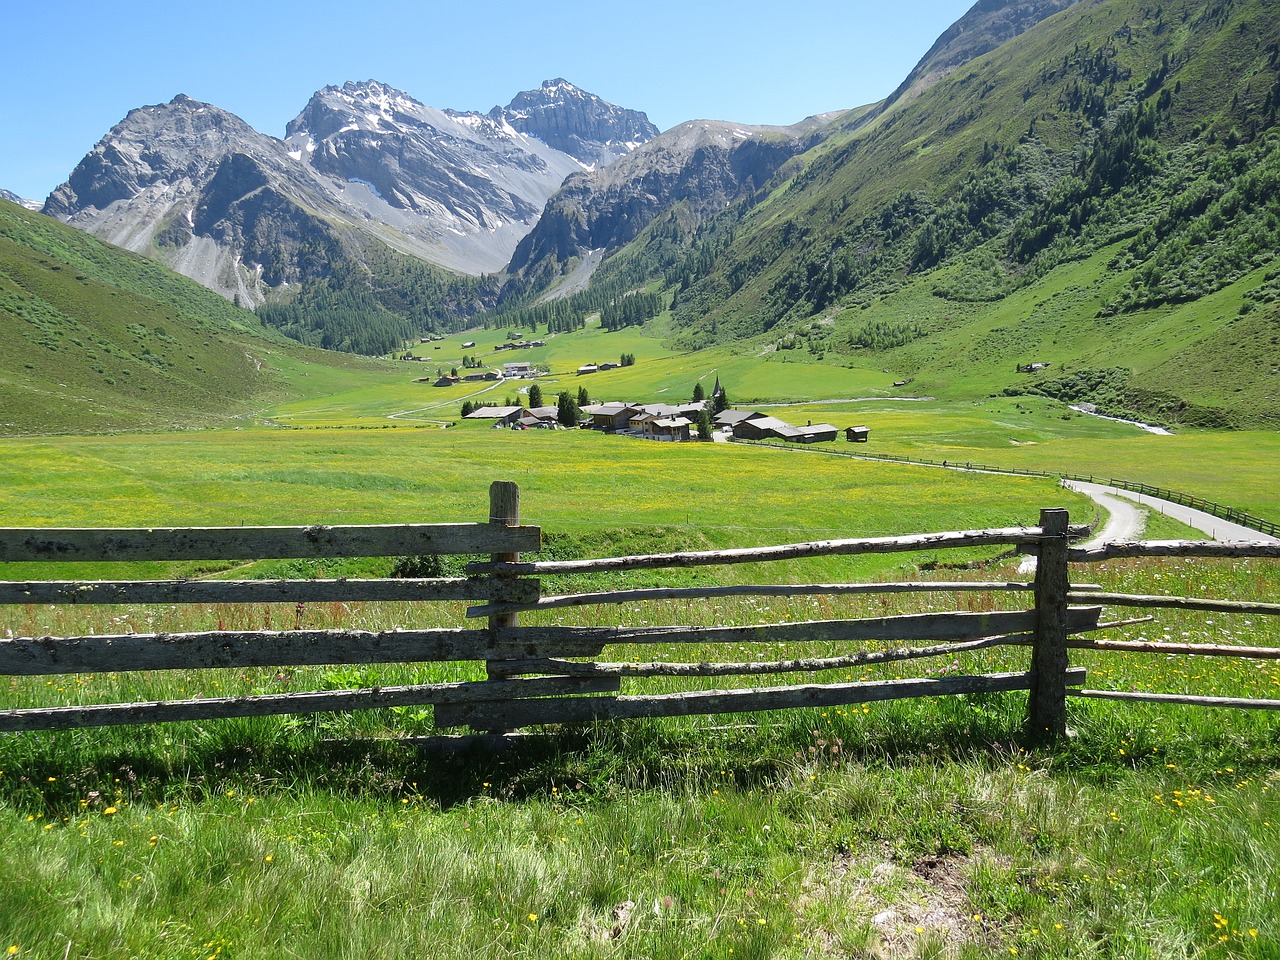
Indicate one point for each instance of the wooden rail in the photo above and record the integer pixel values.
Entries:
(552, 673)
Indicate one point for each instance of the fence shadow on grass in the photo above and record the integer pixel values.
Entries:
(53, 774)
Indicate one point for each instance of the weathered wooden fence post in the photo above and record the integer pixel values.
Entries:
(1047, 703)
(504, 510)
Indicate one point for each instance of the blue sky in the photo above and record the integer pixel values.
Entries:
(72, 70)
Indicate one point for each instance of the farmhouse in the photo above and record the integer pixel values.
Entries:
(664, 421)
(545, 415)
(669, 428)
(731, 418)
(857, 434)
(764, 428)
(517, 371)
(611, 416)
(815, 433)
(502, 416)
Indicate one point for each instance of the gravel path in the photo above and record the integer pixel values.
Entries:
(1126, 517)
(1109, 497)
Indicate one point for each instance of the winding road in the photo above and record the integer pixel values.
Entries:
(1125, 520)
(1126, 516)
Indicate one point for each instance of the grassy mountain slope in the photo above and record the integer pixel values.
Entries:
(1101, 193)
(97, 339)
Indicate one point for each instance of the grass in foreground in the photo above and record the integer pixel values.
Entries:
(912, 829)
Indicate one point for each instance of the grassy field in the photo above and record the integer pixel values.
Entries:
(915, 829)
(1232, 468)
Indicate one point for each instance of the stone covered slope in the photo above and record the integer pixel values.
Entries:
(241, 212)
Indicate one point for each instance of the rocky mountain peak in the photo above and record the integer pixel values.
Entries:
(156, 144)
(240, 211)
(367, 104)
(581, 124)
(14, 198)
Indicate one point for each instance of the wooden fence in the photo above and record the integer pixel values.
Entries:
(545, 674)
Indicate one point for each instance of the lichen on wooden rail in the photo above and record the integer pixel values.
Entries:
(1204, 549)
(915, 626)
(1177, 603)
(262, 705)
(21, 544)
(753, 668)
(1004, 536)
(265, 591)
(39, 656)
(486, 715)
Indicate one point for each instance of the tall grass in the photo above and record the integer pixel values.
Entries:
(917, 828)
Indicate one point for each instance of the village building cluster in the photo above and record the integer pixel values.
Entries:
(670, 422)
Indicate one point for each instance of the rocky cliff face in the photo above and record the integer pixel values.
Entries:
(702, 165)
(196, 187)
(592, 131)
(461, 172)
(239, 211)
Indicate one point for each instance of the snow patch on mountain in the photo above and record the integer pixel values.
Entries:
(240, 211)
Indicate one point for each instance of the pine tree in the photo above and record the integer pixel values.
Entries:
(535, 396)
(566, 410)
(584, 398)
(721, 401)
(698, 392)
(705, 429)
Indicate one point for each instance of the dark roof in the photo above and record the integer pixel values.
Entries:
(491, 413)
(727, 418)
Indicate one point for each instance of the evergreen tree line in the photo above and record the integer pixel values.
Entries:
(374, 306)
(631, 310)
(1032, 207)
(346, 321)
(606, 296)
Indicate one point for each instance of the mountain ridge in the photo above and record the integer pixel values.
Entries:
(245, 214)
(1123, 155)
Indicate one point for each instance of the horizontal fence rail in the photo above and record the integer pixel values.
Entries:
(262, 705)
(267, 591)
(709, 702)
(551, 673)
(19, 544)
(1178, 548)
(1200, 549)
(748, 590)
(1008, 536)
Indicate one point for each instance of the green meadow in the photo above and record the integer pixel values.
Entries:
(568, 478)
(912, 829)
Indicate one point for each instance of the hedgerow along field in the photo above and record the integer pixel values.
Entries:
(921, 828)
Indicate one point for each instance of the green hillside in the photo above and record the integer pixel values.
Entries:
(97, 339)
(1101, 194)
